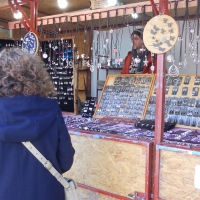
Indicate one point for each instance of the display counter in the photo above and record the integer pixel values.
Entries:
(179, 173)
(115, 158)
(110, 165)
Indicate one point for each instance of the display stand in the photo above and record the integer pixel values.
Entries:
(58, 56)
(125, 96)
(182, 102)
(106, 166)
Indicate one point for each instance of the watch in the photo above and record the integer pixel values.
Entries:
(160, 34)
(30, 43)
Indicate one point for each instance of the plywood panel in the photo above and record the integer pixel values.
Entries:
(84, 194)
(115, 167)
(177, 176)
(4, 34)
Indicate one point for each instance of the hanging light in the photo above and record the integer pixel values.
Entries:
(112, 2)
(134, 14)
(62, 3)
(17, 14)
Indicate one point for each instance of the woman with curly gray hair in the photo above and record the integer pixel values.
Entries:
(27, 114)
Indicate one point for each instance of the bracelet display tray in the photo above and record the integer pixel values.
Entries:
(182, 101)
(125, 96)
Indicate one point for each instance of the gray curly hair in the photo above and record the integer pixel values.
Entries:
(23, 73)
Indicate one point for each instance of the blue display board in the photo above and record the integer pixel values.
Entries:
(30, 43)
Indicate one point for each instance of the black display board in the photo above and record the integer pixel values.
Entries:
(58, 58)
(89, 107)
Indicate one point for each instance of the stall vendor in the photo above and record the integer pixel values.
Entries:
(139, 60)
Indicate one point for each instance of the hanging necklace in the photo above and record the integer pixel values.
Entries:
(97, 53)
(184, 27)
(114, 50)
(107, 42)
(90, 63)
(196, 59)
(173, 69)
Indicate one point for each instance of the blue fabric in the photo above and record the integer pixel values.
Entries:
(39, 120)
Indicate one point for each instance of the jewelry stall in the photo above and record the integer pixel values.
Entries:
(143, 141)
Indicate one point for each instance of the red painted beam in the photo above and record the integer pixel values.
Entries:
(20, 3)
(26, 20)
(163, 7)
(154, 7)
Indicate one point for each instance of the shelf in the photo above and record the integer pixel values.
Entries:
(111, 68)
(86, 69)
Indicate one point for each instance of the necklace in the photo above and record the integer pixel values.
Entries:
(181, 40)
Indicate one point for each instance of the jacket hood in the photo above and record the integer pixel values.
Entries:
(26, 118)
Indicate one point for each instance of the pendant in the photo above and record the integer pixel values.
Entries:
(173, 70)
(170, 58)
(180, 38)
(180, 64)
(108, 62)
(92, 68)
(137, 60)
(192, 54)
(152, 68)
(99, 65)
(145, 61)
(142, 49)
(44, 55)
(114, 50)
(196, 60)
(88, 64)
(185, 62)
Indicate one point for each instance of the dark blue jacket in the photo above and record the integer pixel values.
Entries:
(39, 120)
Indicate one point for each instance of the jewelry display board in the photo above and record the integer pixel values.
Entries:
(30, 43)
(182, 101)
(125, 96)
(58, 58)
(160, 34)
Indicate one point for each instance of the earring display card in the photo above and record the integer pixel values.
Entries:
(182, 101)
(125, 96)
(89, 107)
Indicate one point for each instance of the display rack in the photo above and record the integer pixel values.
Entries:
(100, 83)
(182, 102)
(134, 96)
(125, 96)
(58, 57)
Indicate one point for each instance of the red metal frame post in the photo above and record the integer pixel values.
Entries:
(34, 13)
(160, 102)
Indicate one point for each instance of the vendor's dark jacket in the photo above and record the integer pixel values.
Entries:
(146, 69)
(39, 120)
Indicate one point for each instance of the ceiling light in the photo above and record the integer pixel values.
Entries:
(112, 2)
(62, 3)
(17, 14)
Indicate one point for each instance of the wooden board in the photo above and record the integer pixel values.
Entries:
(160, 34)
(116, 167)
(177, 176)
(4, 34)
